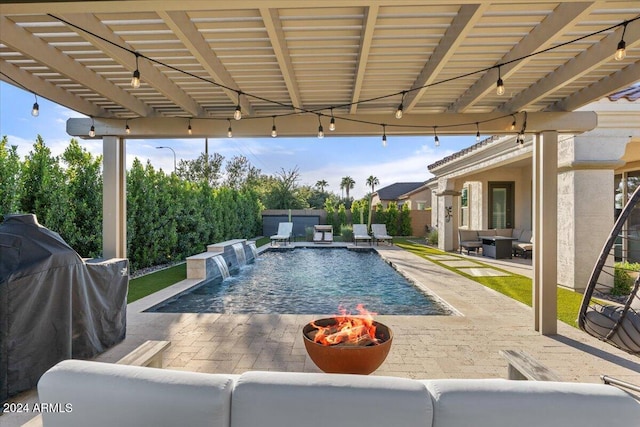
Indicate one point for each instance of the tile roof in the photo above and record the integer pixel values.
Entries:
(631, 94)
(394, 191)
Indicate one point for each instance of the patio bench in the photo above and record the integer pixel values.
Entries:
(521, 366)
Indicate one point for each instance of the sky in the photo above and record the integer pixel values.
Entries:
(404, 159)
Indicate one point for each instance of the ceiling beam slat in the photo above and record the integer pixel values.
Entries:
(574, 69)
(276, 34)
(541, 37)
(20, 39)
(186, 31)
(462, 24)
(366, 37)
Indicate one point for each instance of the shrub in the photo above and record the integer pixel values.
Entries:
(347, 233)
(432, 237)
(622, 280)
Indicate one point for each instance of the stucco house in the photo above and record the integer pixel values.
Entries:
(490, 185)
(416, 195)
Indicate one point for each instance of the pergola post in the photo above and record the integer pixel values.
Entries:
(545, 228)
(114, 198)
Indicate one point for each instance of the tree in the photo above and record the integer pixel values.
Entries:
(10, 168)
(372, 181)
(283, 193)
(321, 185)
(347, 184)
(240, 173)
(203, 169)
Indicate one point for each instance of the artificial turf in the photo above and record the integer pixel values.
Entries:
(514, 286)
(153, 282)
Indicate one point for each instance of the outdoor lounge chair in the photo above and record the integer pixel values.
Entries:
(360, 233)
(285, 231)
(380, 233)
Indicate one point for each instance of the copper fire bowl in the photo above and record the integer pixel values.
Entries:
(348, 359)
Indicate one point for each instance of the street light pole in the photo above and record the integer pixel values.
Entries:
(174, 157)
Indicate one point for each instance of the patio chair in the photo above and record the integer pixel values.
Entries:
(380, 233)
(360, 233)
(610, 309)
(285, 231)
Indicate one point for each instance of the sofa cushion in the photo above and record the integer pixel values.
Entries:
(526, 236)
(489, 232)
(105, 394)
(516, 233)
(468, 235)
(504, 232)
(505, 403)
(287, 399)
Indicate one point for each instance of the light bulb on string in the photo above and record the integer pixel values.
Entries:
(384, 135)
(92, 130)
(621, 51)
(477, 132)
(35, 110)
(229, 130)
(135, 79)
(127, 129)
(513, 123)
(274, 131)
(320, 129)
(189, 128)
(238, 113)
(400, 109)
(499, 84)
(332, 122)
(436, 140)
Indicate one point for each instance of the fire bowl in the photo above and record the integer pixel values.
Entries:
(340, 359)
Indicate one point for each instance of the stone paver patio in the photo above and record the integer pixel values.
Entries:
(464, 345)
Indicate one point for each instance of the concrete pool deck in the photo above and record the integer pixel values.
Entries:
(460, 346)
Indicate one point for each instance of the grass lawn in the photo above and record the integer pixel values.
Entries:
(153, 282)
(514, 286)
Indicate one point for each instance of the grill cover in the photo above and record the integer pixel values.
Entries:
(53, 304)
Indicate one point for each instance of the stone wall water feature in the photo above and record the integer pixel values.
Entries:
(221, 259)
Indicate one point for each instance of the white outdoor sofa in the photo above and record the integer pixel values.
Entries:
(105, 395)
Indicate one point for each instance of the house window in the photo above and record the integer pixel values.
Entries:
(464, 207)
(421, 205)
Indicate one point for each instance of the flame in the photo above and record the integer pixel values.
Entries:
(348, 330)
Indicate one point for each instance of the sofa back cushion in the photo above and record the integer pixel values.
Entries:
(526, 236)
(489, 232)
(468, 235)
(107, 395)
(504, 232)
(287, 399)
(505, 403)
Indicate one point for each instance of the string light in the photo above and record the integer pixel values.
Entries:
(520, 138)
(274, 132)
(127, 129)
(92, 130)
(320, 130)
(229, 130)
(436, 140)
(621, 51)
(400, 109)
(238, 113)
(189, 129)
(332, 123)
(477, 132)
(35, 110)
(513, 123)
(499, 84)
(135, 79)
(384, 135)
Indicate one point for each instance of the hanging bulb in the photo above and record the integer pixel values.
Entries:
(35, 111)
(384, 136)
(230, 132)
(238, 113)
(274, 132)
(513, 123)
(436, 140)
(477, 132)
(332, 122)
(127, 129)
(92, 130)
(499, 84)
(621, 51)
(320, 132)
(135, 79)
(400, 109)
(189, 129)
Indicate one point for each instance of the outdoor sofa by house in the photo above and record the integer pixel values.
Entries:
(470, 239)
(105, 395)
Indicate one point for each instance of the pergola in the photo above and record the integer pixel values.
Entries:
(298, 64)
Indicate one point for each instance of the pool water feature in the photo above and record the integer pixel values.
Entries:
(307, 281)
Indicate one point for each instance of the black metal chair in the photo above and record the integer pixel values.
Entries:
(610, 309)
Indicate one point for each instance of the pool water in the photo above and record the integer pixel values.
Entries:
(308, 281)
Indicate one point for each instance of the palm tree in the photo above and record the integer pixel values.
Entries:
(321, 185)
(347, 184)
(372, 181)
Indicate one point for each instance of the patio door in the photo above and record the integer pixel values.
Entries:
(501, 204)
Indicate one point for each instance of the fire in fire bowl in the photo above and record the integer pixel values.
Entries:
(354, 358)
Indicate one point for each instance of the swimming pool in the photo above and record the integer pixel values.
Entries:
(308, 281)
